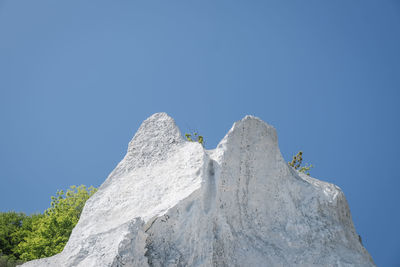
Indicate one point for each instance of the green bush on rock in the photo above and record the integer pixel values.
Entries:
(195, 137)
(297, 161)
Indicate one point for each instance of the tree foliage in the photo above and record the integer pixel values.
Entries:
(51, 231)
(10, 225)
(14, 227)
(24, 238)
(9, 261)
(11, 234)
(297, 162)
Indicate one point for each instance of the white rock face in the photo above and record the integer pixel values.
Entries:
(169, 202)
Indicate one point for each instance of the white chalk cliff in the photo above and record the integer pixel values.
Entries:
(170, 202)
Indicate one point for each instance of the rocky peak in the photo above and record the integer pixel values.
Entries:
(169, 202)
(157, 136)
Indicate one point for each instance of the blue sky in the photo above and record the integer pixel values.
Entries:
(78, 77)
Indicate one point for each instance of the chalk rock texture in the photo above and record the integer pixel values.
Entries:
(170, 202)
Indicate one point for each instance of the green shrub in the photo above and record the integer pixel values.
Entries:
(12, 229)
(9, 261)
(50, 232)
(297, 161)
(195, 137)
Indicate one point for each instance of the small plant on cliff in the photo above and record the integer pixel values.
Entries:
(297, 161)
(195, 137)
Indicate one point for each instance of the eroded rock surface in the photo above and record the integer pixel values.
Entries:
(169, 202)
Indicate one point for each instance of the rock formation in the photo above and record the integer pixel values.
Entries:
(170, 202)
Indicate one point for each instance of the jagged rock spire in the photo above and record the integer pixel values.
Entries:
(171, 203)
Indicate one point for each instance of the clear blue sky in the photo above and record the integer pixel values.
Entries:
(78, 77)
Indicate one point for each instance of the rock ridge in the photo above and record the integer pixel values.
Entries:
(170, 202)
